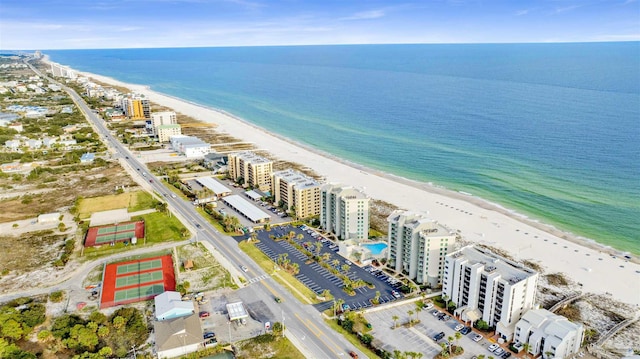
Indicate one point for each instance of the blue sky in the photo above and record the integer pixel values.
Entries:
(72, 24)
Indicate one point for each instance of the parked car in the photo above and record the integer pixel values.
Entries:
(493, 347)
(465, 330)
(209, 335)
(438, 336)
(498, 351)
(458, 327)
(506, 355)
(204, 314)
(428, 306)
(477, 338)
(435, 313)
(396, 294)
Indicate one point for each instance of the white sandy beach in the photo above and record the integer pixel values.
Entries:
(598, 269)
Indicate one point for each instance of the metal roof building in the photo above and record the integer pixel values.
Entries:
(216, 187)
(236, 311)
(246, 208)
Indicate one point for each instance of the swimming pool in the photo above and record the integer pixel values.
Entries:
(375, 248)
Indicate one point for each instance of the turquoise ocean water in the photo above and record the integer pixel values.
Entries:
(551, 131)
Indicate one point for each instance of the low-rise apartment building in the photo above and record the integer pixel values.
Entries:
(344, 211)
(551, 335)
(255, 170)
(165, 132)
(417, 246)
(297, 192)
(486, 286)
(189, 146)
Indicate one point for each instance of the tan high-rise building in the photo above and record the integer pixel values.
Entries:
(253, 169)
(344, 211)
(417, 246)
(298, 192)
(136, 107)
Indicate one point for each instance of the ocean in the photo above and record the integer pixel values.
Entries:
(551, 131)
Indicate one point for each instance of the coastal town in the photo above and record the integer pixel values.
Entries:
(136, 225)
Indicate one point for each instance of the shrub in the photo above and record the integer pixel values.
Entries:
(56, 297)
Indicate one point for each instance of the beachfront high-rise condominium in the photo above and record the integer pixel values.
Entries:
(165, 132)
(344, 211)
(297, 192)
(486, 286)
(417, 246)
(136, 107)
(551, 335)
(254, 170)
(190, 147)
(162, 118)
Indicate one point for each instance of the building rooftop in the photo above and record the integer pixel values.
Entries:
(300, 180)
(215, 186)
(236, 311)
(168, 126)
(251, 157)
(347, 192)
(177, 332)
(246, 208)
(511, 271)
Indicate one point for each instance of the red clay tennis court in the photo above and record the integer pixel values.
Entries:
(119, 232)
(137, 280)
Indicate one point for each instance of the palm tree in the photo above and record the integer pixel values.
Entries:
(395, 321)
(450, 340)
(325, 257)
(326, 293)
(376, 299)
(292, 234)
(335, 262)
(253, 237)
(300, 236)
(345, 267)
(526, 347)
(458, 335)
(318, 247)
(410, 312)
(418, 310)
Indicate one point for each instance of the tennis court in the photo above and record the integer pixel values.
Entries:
(139, 292)
(136, 280)
(113, 233)
(139, 267)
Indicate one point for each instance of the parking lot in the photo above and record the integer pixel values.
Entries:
(420, 337)
(318, 278)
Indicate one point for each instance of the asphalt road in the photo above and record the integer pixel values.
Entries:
(305, 327)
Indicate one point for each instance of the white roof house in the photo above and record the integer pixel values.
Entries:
(169, 305)
(551, 335)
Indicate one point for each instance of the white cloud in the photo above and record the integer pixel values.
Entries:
(522, 12)
(366, 15)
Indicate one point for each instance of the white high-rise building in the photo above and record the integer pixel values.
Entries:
(344, 211)
(486, 286)
(297, 191)
(163, 118)
(551, 335)
(417, 246)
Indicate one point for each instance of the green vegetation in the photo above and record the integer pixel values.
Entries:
(57, 296)
(17, 321)
(161, 227)
(275, 345)
(351, 336)
(133, 201)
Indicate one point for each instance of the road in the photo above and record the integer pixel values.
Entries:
(305, 326)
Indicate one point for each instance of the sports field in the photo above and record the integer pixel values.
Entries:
(113, 233)
(137, 280)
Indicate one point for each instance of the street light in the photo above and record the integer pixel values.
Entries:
(229, 325)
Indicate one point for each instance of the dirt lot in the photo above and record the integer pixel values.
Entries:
(207, 274)
(65, 189)
(132, 200)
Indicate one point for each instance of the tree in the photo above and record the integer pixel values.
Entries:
(12, 329)
(376, 299)
(318, 246)
(458, 335)
(345, 268)
(395, 321)
(366, 339)
(119, 323)
(526, 347)
(277, 328)
(450, 340)
(410, 313)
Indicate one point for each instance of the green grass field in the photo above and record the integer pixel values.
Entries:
(160, 227)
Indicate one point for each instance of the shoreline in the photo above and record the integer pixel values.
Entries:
(598, 267)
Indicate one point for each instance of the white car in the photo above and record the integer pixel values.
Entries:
(244, 269)
(458, 327)
(428, 306)
(477, 338)
(493, 347)
(498, 351)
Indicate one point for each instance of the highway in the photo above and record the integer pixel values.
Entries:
(305, 326)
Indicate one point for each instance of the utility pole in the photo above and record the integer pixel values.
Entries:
(283, 327)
